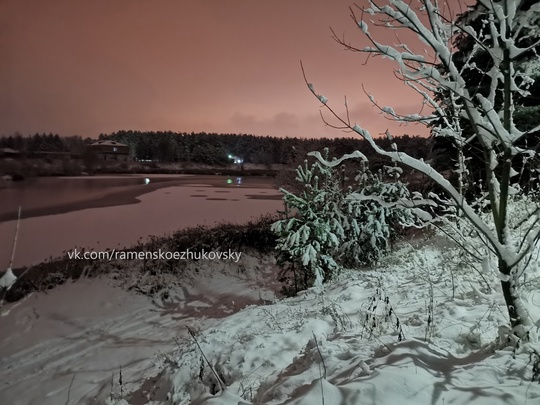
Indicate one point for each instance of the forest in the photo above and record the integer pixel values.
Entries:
(207, 148)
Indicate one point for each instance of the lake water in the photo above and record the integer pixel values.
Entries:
(102, 212)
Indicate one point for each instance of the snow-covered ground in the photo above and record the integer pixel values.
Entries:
(422, 328)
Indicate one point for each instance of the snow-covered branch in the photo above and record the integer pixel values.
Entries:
(495, 34)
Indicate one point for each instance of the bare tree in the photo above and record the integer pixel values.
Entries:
(431, 71)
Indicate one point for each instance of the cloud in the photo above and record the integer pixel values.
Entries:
(279, 124)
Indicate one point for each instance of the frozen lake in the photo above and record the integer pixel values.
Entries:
(103, 212)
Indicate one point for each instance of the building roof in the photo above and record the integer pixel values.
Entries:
(107, 143)
(9, 150)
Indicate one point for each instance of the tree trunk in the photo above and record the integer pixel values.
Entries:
(510, 298)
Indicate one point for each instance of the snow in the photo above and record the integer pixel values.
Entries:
(272, 350)
(363, 26)
(389, 110)
(342, 344)
(7, 279)
(323, 99)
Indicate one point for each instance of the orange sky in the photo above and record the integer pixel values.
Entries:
(96, 66)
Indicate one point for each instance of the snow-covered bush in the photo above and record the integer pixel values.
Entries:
(374, 216)
(310, 238)
(335, 225)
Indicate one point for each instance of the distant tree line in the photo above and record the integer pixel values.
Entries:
(28, 145)
(211, 148)
(214, 148)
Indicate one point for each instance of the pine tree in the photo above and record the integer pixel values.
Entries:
(335, 225)
(310, 238)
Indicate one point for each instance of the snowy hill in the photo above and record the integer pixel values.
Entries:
(343, 346)
(421, 328)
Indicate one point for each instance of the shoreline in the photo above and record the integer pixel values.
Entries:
(127, 195)
(59, 216)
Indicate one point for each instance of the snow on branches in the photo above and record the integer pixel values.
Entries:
(503, 36)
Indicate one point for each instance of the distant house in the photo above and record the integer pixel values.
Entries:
(8, 152)
(110, 150)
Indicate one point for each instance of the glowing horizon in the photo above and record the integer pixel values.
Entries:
(191, 66)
